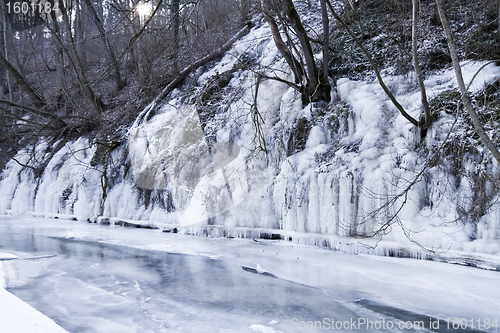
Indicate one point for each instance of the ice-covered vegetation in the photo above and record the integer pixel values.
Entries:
(236, 152)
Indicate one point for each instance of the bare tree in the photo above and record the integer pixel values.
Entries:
(147, 112)
(416, 64)
(458, 73)
(60, 68)
(175, 12)
(76, 62)
(292, 62)
(80, 23)
(374, 66)
(244, 7)
(111, 53)
(3, 71)
(34, 95)
(316, 86)
(326, 39)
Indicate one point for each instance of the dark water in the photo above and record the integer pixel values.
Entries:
(93, 287)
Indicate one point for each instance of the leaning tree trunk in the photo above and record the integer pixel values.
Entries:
(43, 109)
(280, 44)
(148, 112)
(458, 73)
(35, 97)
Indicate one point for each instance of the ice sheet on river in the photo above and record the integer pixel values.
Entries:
(172, 282)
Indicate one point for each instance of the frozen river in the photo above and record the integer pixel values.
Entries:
(91, 278)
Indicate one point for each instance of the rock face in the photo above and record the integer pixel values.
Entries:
(226, 162)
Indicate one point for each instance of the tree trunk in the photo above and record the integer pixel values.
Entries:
(111, 54)
(326, 39)
(100, 11)
(60, 70)
(3, 72)
(35, 97)
(317, 88)
(418, 71)
(176, 23)
(244, 10)
(498, 19)
(280, 44)
(80, 35)
(76, 62)
(458, 73)
(5, 50)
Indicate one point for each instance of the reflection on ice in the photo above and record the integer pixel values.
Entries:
(93, 287)
(163, 282)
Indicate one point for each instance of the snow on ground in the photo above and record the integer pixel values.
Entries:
(17, 316)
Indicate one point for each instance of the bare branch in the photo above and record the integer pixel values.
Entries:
(458, 73)
(374, 66)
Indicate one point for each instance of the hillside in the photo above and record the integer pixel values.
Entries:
(235, 150)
